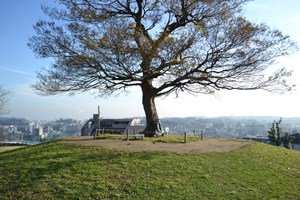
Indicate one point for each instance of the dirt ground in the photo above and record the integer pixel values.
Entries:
(9, 148)
(202, 146)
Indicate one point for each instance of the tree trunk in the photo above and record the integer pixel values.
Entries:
(153, 127)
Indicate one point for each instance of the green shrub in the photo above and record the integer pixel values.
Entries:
(275, 133)
(287, 140)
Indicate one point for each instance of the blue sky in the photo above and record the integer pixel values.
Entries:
(18, 66)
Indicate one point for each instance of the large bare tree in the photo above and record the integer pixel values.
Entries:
(4, 98)
(161, 46)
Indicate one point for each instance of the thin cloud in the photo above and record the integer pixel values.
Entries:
(16, 71)
(254, 5)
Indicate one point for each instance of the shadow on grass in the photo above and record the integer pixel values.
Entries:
(49, 163)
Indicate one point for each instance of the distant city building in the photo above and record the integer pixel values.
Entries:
(115, 126)
(38, 132)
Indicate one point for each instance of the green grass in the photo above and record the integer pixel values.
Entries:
(56, 170)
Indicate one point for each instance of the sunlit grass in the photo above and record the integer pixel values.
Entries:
(56, 170)
(9, 148)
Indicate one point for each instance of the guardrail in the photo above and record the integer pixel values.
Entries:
(17, 142)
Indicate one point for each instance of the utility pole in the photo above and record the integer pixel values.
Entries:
(97, 128)
(99, 118)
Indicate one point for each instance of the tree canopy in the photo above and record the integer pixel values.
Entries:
(162, 46)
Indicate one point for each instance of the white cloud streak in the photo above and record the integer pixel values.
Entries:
(255, 5)
(16, 71)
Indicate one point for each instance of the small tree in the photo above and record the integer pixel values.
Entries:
(275, 133)
(287, 140)
(4, 98)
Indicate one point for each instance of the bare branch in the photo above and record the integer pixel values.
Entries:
(160, 45)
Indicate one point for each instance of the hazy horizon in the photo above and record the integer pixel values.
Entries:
(206, 117)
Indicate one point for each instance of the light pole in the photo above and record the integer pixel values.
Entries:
(4, 132)
(99, 118)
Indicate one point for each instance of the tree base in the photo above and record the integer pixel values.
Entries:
(154, 130)
(152, 134)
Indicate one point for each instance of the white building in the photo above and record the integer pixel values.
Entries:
(114, 126)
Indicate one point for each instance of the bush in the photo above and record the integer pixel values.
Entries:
(275, 133)
(287, 140)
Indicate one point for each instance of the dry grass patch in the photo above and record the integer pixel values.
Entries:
(9, 148)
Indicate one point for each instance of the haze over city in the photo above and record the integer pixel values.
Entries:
(18, 66)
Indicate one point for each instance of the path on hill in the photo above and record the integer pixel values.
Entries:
(202, 146)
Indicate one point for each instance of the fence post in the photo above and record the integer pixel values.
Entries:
(127, 134)
(201, 134)
(185, 137)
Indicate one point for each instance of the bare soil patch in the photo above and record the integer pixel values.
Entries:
(201, 146)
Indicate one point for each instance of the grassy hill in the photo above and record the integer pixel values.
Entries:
(57, 170)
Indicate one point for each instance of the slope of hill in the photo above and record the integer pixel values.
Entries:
(57, 170)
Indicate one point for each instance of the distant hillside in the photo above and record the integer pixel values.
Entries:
(56, 170)
(13, 121)
(229, 126)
